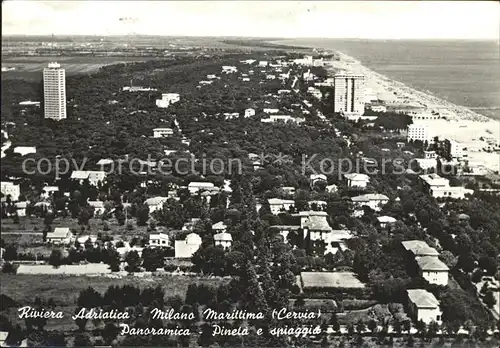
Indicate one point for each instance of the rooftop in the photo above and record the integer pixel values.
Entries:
(422, 298)
(431, 263)
(419, 248)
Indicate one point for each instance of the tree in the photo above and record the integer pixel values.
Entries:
(143, 215)
(110, 332)
(113, 260)
(89, 298)
(421, 327)
(372, 326)
(55, 258)
(489, 299)
(334, 321)
(152, 259)
(133, 261)
(360, 326)
(10, 253)
(82, 340)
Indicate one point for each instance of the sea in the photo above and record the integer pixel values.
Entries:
(464, 72)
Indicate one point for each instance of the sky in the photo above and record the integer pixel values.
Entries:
(288, 19)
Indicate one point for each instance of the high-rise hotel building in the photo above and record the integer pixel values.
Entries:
(54, 92)
(349, 93)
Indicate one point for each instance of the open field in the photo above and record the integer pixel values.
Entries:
(64, 290)
(32, 67)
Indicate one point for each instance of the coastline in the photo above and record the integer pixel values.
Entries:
(473, 130)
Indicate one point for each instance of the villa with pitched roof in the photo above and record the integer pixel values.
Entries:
(423, 306)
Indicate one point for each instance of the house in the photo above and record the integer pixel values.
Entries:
(271, 111)
(430, 267)
(433, 270)
(187, 247)
(231, 115)
(373, 200)
(9, 189)
(419, 248)
(283, 118)
(439, 187)
(159, 240)
(249, 112)
(278, 205)
(314, 224)
(385, 221)
(155, 203)
(223, 239)
(162, 132)
(284, 230)
(357, 180)
(331, 188)
(318, 205)
(24, 150)
(48, 190)
(98, 207)
(423, 306)
(21, 208)
(219, 227)
(229, 69)
(288, 190)
(430, 154)
(85, 238)
(314, 178)
(195, 187)
(263, 63)
(105, 162)
(93, 176)
(167, 99)
(60, 236)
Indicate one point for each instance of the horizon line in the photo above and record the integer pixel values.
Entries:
(252, 37)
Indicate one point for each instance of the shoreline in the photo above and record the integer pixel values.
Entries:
(475, 131)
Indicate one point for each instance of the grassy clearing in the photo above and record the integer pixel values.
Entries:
(64, 290)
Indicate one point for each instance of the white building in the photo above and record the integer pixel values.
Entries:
(454, 149)
(229, 69)
(423, 306)
(278, 205)
(270, 111)
(98, 206)
(187, 247)
(439, 187)
(195, 187)
(349, 93)
(314, 178)
(433, 270)
(60, 236)
(373, 200)
(418, 132)
(162, 132)
(249, 112)
(159, 240)
(48, 190)
(223, 239)
(219, 227)
(9, 189)
(357, 180)
(24, 150)
(167, 99)
(155, 203)
(94, 176)
(384, 221)
(282, 118)
(263, 63)
(378, 108)
(54, 92)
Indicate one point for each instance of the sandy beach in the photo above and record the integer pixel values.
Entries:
(477, 132)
